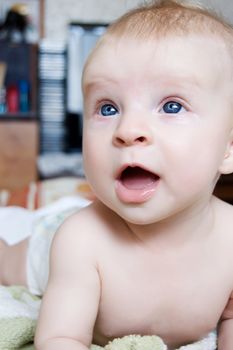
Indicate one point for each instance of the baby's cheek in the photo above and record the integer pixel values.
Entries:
(89, 159)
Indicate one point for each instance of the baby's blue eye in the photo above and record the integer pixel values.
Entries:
(172, 107)
(108, 110)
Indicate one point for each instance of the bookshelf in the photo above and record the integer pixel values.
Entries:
(19, 130)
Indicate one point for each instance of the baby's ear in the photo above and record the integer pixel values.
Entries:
(227, 164)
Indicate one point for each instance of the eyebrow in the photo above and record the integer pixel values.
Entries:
(96, 83)
(181, 79)
(175, 81)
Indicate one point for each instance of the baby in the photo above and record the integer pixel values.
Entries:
(153, 253)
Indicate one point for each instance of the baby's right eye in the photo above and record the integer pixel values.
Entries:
(108, 110)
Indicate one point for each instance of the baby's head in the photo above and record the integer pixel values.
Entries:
(160, 77)
(168, 18)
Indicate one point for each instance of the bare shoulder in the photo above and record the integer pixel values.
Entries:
(86, 230)
(224, 211)
(224, 222)
(224, 215)
(73, 289)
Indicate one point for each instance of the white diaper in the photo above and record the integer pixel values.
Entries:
(40, 241)
(16, 224)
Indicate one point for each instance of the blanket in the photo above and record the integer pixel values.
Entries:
(42, 193)
(19, 312)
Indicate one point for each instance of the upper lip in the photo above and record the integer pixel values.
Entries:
(133, 165)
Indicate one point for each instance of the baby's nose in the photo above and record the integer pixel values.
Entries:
(134, 133)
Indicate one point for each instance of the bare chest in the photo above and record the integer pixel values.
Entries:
(177, 301)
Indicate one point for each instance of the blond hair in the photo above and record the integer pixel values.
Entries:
(161, 18)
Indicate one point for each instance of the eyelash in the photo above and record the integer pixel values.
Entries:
(172, 107)
(100, 104)
(173, 100)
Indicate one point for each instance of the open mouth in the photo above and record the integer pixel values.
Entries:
(135, 184)
(136, 178)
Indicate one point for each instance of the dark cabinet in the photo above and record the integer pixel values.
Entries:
(224, 188)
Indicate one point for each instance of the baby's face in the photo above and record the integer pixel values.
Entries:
(156, 125)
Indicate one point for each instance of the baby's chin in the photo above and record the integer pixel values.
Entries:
(136, 215)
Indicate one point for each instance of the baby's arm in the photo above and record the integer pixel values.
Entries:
(225, 334)
(70, 304)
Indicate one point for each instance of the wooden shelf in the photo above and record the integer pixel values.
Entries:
(19, 132)
(18, 154)
(19, 116)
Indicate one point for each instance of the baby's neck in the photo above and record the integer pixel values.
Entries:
(179, 230)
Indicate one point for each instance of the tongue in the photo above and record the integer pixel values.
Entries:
(137, 178)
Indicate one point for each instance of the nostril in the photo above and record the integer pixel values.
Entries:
(120, 141)
(141, 139)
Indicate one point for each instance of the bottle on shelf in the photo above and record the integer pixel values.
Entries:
(2, 100)
(24, 103)
(12, 98)
(3, 68)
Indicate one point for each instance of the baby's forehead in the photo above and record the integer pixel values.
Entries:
(173, 50)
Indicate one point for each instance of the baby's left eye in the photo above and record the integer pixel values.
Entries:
(172, 107)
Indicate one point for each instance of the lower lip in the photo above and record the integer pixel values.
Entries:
(136, 196)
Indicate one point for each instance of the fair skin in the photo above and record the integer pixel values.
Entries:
(153, 255)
